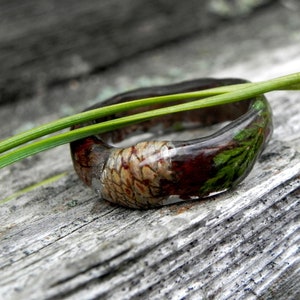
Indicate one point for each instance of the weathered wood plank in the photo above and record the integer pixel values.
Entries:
(43, 42)
(60, 241)
(100, 251)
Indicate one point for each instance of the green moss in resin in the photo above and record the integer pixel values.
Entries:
(233, 165)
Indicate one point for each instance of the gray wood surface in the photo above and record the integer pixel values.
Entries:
(59, 241)
(46, 42)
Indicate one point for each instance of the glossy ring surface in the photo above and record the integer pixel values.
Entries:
(149, 173)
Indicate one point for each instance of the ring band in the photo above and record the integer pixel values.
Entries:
(151, 173)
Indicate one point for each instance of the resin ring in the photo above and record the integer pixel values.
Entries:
(154, 171)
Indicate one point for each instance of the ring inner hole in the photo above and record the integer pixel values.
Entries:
(179, 126)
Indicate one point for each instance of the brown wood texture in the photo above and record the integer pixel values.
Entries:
(59, 241)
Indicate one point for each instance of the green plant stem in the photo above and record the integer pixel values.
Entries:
(219, 96)
(66, 122)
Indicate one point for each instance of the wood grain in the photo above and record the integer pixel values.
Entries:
(45, 42)
(59, 241)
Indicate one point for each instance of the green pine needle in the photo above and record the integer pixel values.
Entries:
(18, 147)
